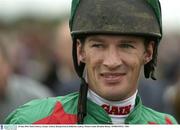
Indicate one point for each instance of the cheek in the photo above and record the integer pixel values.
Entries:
(93, 63)
(93, 59)
(135, 62)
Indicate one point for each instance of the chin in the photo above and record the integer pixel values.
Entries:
(114, 87)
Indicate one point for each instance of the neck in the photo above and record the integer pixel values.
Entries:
(117, 110)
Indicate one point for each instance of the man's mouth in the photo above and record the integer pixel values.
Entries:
(112, 78)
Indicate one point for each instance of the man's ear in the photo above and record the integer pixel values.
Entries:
(149, 52)
(80, 52)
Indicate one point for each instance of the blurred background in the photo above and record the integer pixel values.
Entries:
(36, 62)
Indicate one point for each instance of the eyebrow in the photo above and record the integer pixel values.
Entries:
(96, 38)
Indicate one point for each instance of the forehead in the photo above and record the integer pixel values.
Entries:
(118, 38)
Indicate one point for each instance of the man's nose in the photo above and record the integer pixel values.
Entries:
(112, 59)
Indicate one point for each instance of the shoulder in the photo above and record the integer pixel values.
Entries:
(146, 115)
(38, 109)
(31, 111)
(155, 117)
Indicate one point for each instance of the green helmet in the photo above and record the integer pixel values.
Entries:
(132, 17)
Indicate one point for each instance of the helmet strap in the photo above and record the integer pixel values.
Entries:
(82, 109)
(82, 106)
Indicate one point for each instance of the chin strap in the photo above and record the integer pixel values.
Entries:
(82, 106)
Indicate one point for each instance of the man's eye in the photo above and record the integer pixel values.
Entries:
(126, 46)
(97, 45)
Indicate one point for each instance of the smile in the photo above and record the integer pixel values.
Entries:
(112, 78)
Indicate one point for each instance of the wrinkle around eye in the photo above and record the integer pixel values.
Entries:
(127, 46)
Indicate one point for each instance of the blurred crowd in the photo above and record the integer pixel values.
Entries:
(36, 62)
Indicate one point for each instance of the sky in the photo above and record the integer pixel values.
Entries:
(11, 9)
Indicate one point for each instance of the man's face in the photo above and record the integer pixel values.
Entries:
(113, 64)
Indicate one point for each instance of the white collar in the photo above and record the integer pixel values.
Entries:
(117, 110)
